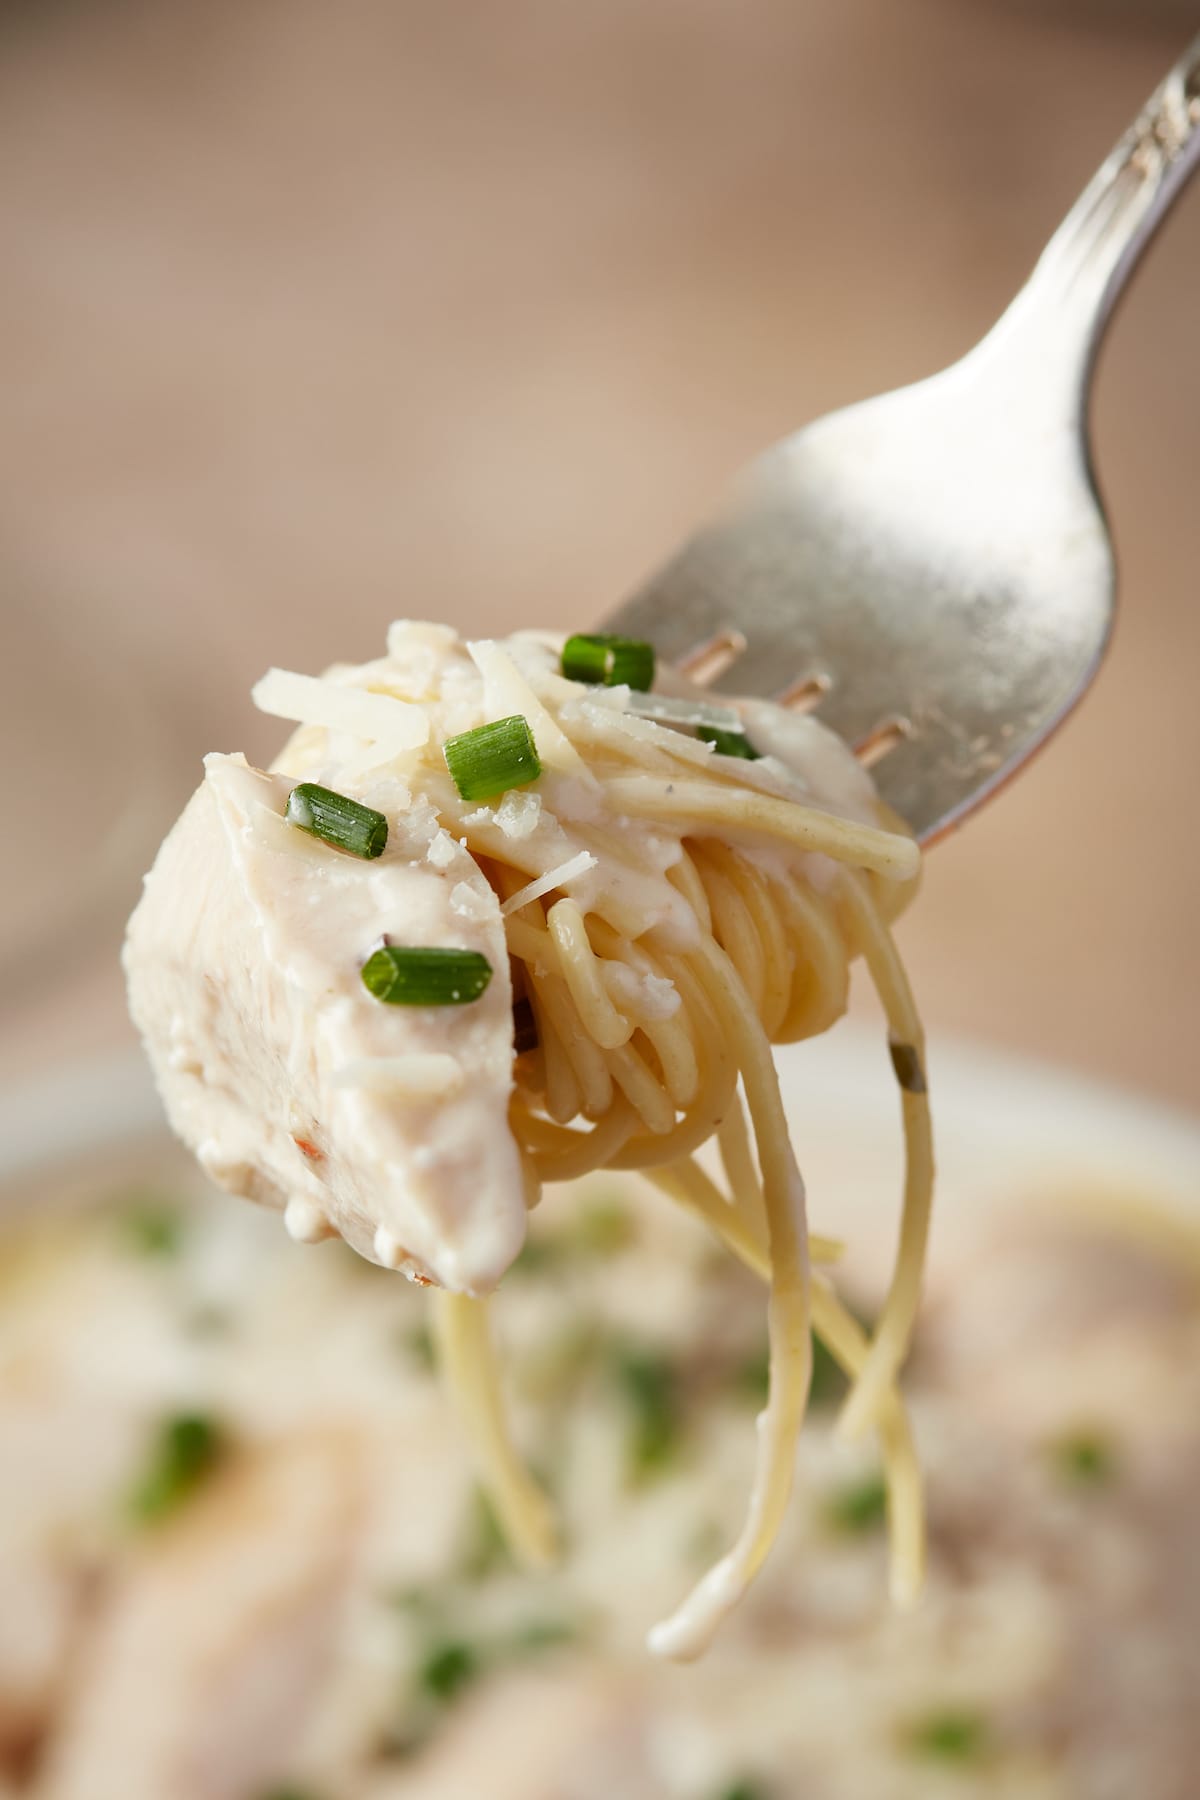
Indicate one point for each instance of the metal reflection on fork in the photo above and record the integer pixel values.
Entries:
(932, 568)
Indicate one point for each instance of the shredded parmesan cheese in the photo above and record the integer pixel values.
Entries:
(518, 813)
(394, 725)
(571, 870)
(679, 712)
(406, 634)
(441, 852)
(467, 902)
(656, 996)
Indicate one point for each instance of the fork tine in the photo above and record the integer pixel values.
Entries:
(804, 694)
(711, 659)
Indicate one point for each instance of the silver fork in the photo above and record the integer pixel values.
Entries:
(932, 567)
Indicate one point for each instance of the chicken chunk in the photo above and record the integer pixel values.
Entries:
(228, 1620)
(293, 1084)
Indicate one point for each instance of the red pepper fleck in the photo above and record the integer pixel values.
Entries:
(307, 1149)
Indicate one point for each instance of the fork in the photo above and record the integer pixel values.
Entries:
(932, 567)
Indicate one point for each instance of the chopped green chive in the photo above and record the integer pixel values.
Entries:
(189, 1447)
(416, 1341)
(609, 661)
(334, 819)
(447, 1669)
(493, 758)
(648, 1383)
(154, 1229)
(906, 1060)
(728, 743)
(486, 1550)
(436, 976)
(1085, 1459)
(860, 1507)
(952, 1736)
(743, 1790)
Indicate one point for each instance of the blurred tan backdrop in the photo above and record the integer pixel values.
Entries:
(315, 314)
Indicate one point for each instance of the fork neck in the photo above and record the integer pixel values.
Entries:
(1064, 307)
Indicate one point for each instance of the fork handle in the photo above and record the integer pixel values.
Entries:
(1086, 264)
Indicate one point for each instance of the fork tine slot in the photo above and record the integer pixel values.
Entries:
(886, 735)
(709, 660)
(803, 694)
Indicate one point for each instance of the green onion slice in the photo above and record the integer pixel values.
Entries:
(609, 661)
(448, 1668)
(728, 743)
(952, 1736)
(493, 758)
(648, 1382)
(1085, 1458)
(188, 1448)
(860, 1507)
(344, 823)
(154, 1228)
(426, 977)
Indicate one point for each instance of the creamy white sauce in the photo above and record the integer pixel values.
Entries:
(1059, 1614)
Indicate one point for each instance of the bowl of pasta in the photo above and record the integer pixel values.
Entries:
(249, 1552)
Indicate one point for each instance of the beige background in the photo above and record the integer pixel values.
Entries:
(315, 314)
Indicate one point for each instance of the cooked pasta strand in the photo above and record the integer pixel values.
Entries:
(690, 1629)
(464, 1349)
(580, 970)
(896, 1321)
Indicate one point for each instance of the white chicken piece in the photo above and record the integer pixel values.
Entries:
(41, 1605)
(64, 1458)
(292, 1084)
(523, 1738)
(228, 1615)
